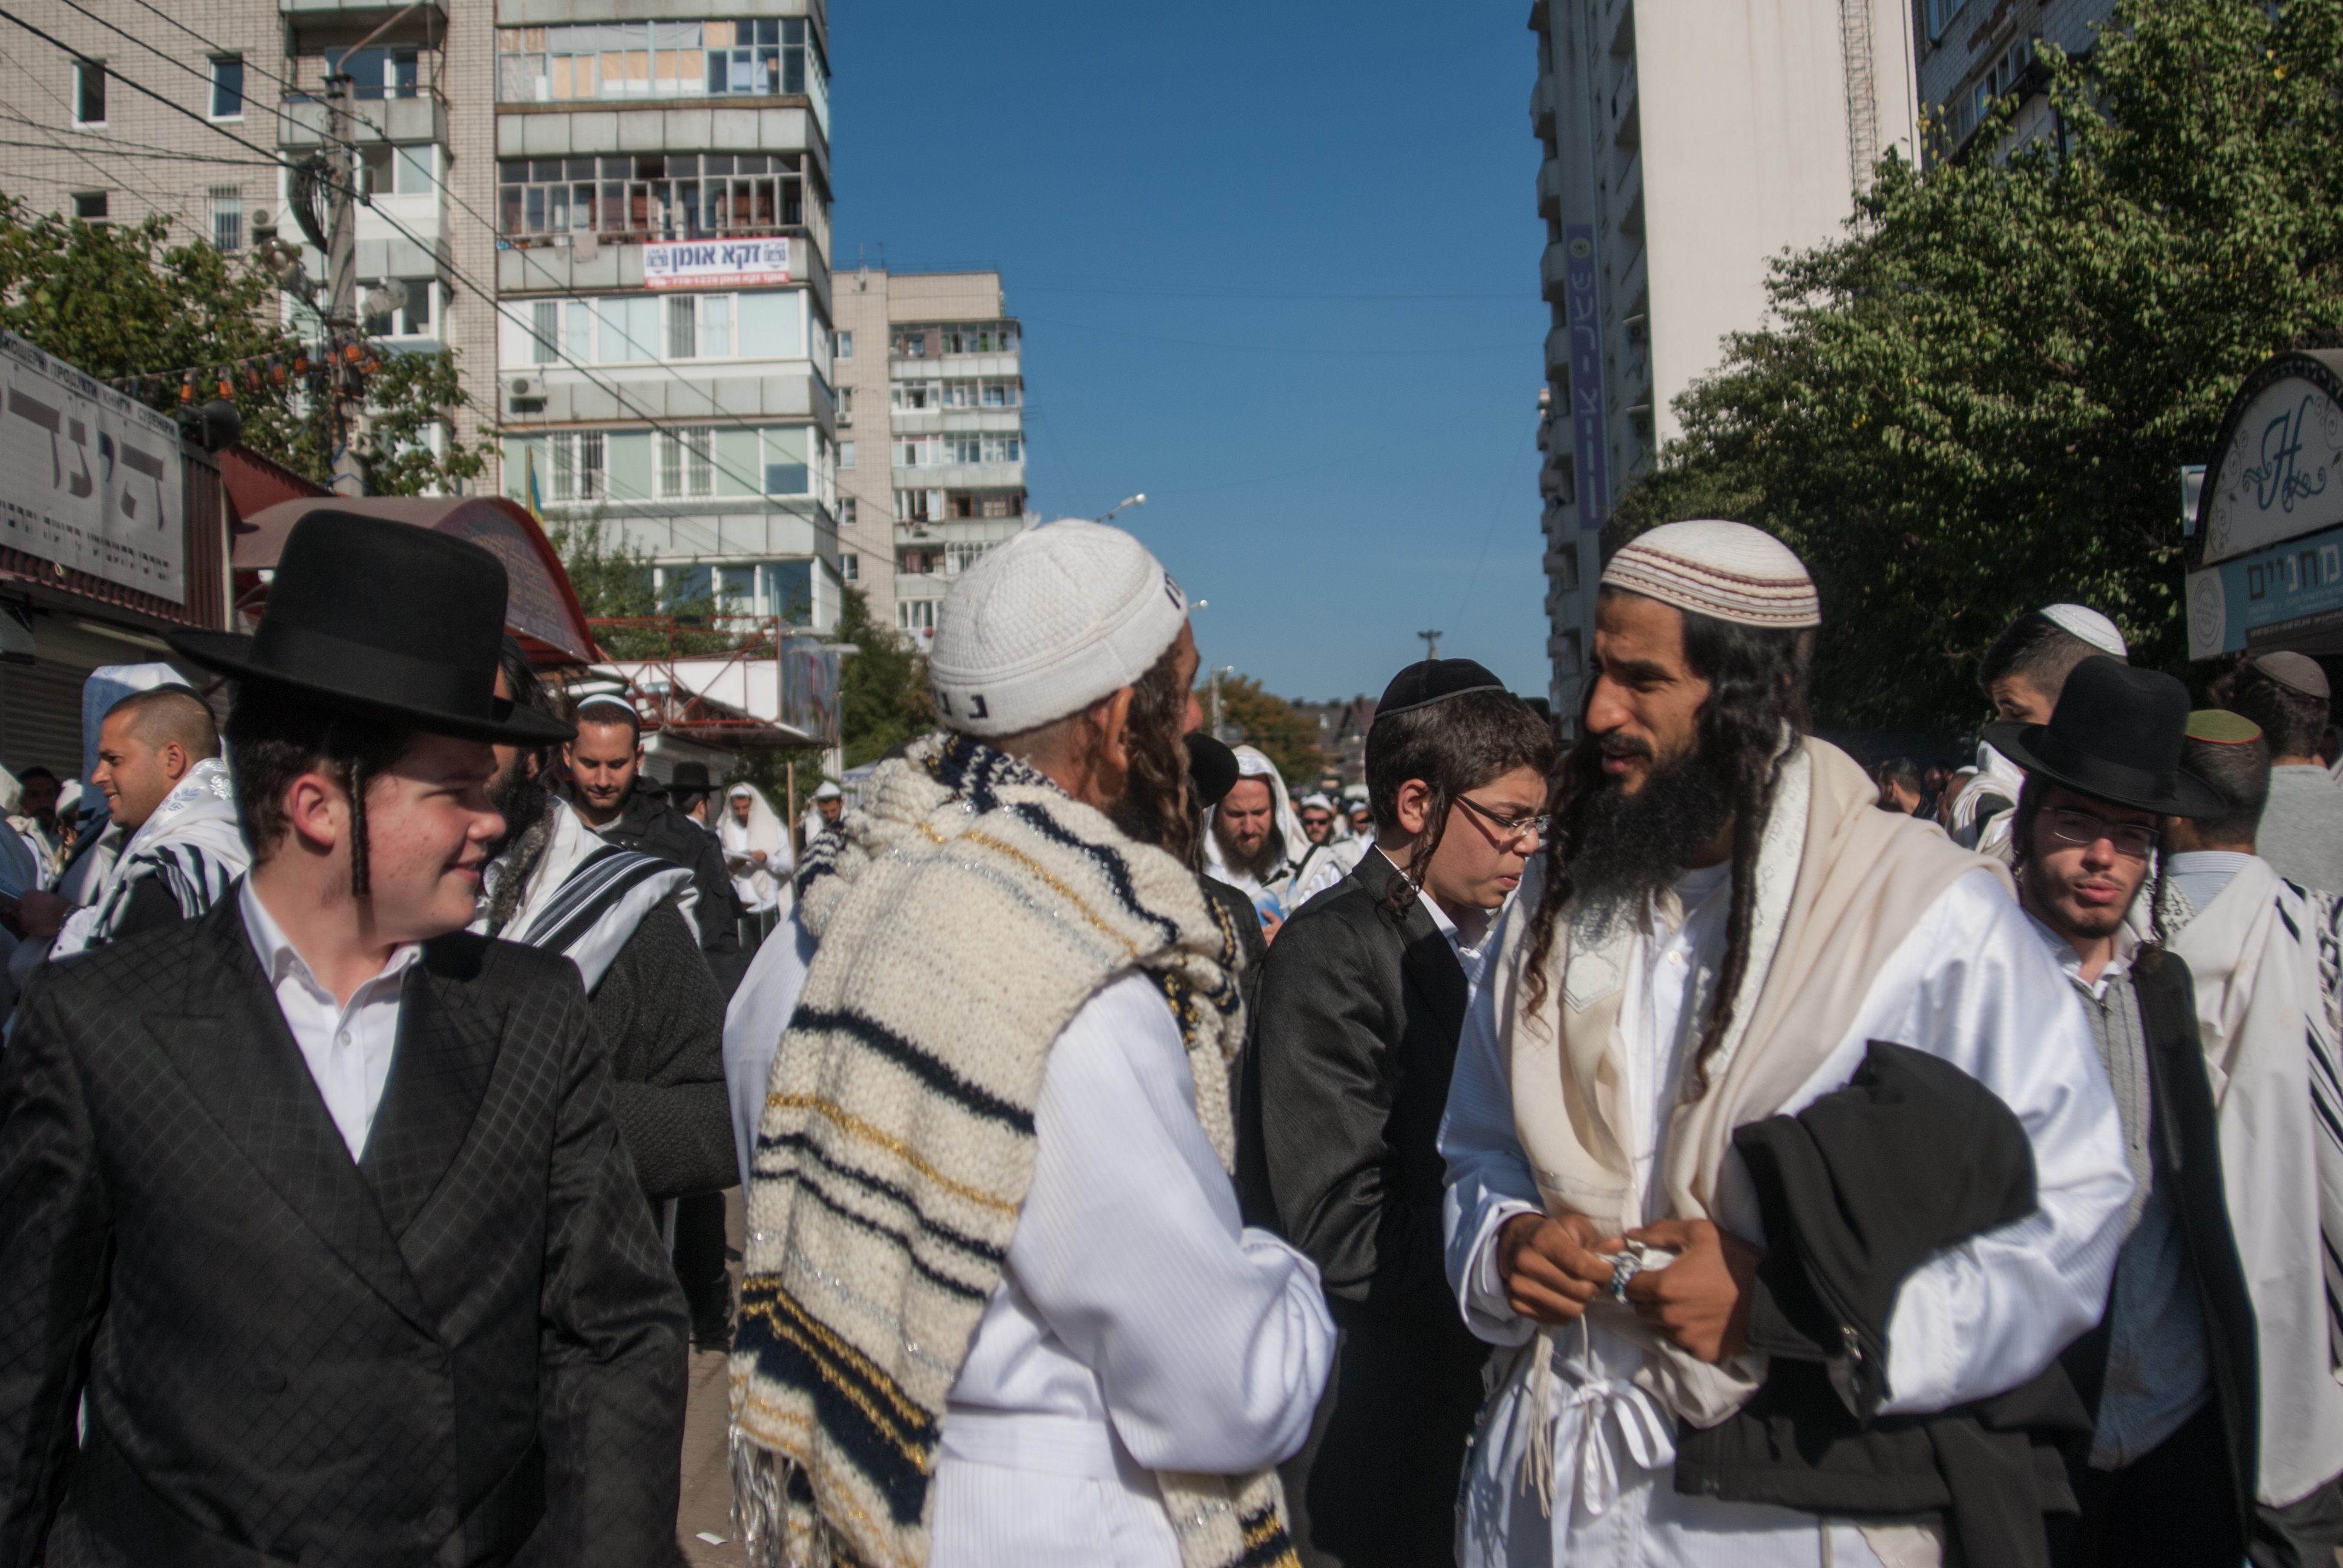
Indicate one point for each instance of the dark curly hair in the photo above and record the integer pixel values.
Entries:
(1753, 714)
(1155, 807)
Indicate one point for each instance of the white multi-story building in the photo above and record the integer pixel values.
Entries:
(931, 434)
(1687, 144)
(1973, 54)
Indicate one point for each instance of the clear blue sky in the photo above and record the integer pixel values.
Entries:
(1277, 266)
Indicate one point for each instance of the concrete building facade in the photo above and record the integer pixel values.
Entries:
(1973, 53)
(932, 410)
(532, 164)
(1686, 144)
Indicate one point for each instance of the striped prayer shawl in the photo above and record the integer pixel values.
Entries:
(962, 920)
(2327, 1104)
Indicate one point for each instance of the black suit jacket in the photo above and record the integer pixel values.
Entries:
(1343, 1089)
(649, 824)
(2186, 1147)
(464, 1348)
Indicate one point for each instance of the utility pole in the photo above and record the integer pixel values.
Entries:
(1218, 671)
(343, 383)
(1430, 644)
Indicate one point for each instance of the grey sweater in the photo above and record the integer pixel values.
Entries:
(2301, 833)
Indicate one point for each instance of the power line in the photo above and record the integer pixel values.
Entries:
(203, 77)
(154, 196)
(137, 153)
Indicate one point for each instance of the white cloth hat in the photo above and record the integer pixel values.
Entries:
(1729, 571)
(1047, 623)
(2082, 621)
(738, 790)
(828, 791)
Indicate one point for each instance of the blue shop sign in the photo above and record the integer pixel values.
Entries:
(2285, 594)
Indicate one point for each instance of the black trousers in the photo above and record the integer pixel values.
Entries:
(2172, 1508)
(700, 1265)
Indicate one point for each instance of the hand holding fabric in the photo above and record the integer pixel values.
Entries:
(1702, 1300)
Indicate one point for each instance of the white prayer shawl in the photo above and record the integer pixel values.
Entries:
(2253, 956)
(585, 896)
(1996, 776)
(1321, 866)
(1276, 882)
(758, 887)
(193, 842)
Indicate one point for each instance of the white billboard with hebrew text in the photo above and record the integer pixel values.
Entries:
(89, 478)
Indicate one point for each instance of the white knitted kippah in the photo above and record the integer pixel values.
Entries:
(1047, 623)
(1728, 570)
(2081, 621)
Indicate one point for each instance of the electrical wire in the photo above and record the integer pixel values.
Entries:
(153, 196)
(169, 58)
(139, 153)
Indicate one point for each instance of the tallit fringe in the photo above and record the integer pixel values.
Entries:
(1537, 1457)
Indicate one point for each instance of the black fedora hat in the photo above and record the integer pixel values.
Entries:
(384, 619)
(1211, 770)
(690, 781)
(2116, 735)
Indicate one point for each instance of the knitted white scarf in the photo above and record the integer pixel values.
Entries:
(963, 919)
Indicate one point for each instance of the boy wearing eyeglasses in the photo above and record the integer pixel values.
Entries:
(1362, 1004)
(2169, 1374)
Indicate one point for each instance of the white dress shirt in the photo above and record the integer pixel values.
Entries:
(1971, 984)
(1138, 1325)
(348, 1049)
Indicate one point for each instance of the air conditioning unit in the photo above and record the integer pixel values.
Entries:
(527, 396)
(521, 387)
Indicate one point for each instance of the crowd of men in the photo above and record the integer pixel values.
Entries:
(1673, 1145)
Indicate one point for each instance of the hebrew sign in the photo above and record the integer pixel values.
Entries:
(89, 478)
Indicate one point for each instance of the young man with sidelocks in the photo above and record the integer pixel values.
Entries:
(317, 1241)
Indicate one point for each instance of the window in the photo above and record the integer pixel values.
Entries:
(850, 567)
(384, 73)
(957, 558)
(753, 58)
(545, 330)
(683, 328)
(845, 396)
(411, 318)
(227, 218)
(846, 513)
(786, 470)
(1001, 395)
(89, 92)
(400, 171)
(846, 346)
(684, 195)
(915, 615)
(90, 206)
(915, 395)
(773, 325)
(846, 454)
(687, 463)
(578, 472)
(630, 327)
(918, 451)
(911, 505)
(227, 88)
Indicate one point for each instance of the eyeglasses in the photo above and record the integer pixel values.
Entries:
(2131, 840)
(1516, 826)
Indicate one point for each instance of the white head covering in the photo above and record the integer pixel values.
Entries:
(1730, 571)
(2081, 621)
(759, 887)
(1047, 623)
(1316, 799)
(828, 791)
(1253, 764)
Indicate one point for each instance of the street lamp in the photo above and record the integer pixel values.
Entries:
(1138, 500)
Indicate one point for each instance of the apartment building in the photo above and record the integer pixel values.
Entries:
(931, 434)
(1686, 144)
(1973, 53)
(619, 221)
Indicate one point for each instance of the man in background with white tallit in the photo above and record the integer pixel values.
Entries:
(1722, 925)
(1000, 1306)
(2252, 943)
(615, 914)
(756, 851)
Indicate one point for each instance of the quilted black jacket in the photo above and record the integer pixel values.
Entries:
(464, 1348)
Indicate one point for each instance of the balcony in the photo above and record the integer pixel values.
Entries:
(1549, 188)
(363, 15)
(553, 263)
(1541, 98)
(421, 118)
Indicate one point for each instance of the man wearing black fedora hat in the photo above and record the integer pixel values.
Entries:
(2169, 1374)
(318, 1239)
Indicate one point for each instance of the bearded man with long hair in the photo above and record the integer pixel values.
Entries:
(999, 1304)
(1775, 1144)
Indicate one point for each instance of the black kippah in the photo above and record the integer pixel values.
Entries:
(1432, 680)
(1211, 769)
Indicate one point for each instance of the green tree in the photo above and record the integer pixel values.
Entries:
(883, 695)
(1270, 725)
(121, 300)
(1977, 401)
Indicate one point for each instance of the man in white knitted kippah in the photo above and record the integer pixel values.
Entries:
(989, 1203)
(1670, 1062)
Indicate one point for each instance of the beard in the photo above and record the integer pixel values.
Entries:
(1625, 848)
(1265, 858)
(522, 801)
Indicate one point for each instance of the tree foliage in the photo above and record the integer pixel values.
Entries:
(1977, 401)
(121, 300)
(1270, 725)
(884, 695)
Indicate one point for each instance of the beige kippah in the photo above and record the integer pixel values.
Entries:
(1730, 571)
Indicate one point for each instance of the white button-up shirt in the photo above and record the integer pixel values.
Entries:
(348, 1049)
